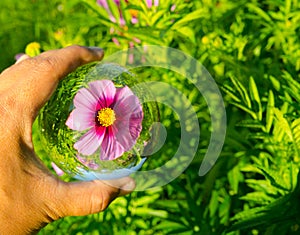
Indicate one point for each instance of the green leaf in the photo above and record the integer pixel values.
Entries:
(293, 83)
(258, 197)
(229, 91)
(283, 123)
(242, 91)
(253, 114)
(270, 111)
(250, 168)
(234, 176)
(133, 7)
(255, 96)
(145, 200)
(296, 130)
(140, 223)
(224, 210)
(147, 35)
(261, 186)
(292, 92)
(213, 203)
(198, 14)
(274, 178)
(293, 86)
(187, 32)
(258, 136)
(259, 12)
(282, 210)
(249, 123)
(285, 127)
(296, 136)
(144, 211)
(170, 226)
(157, 17)
(275, 82)
(288, 4)
(246, 219)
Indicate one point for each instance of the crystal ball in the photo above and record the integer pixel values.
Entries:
(97, 124)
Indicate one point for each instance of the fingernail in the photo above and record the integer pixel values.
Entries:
(98, 50)
(21, 58)
(129, 186)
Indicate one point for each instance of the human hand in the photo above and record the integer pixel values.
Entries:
(30, 196)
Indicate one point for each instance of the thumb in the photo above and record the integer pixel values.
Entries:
(83, 198)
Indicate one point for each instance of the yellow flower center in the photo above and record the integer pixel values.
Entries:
(106, 117)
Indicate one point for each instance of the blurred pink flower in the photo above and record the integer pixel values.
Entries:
(150, 3)
(57, 170)
(104, 4)
(133, 13)
(115, 41)
(173, 7)
(88, 163)
(113, 117)
(122, 20)
(130, 40)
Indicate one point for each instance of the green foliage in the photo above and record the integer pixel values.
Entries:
(252, 49)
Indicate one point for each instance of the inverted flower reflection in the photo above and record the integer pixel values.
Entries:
(112, 117)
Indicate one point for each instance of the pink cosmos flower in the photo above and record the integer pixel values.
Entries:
(112, 117)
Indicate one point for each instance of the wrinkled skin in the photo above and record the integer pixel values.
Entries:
(30, 196)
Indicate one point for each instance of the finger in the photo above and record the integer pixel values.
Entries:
(36, 78)
(23, 57)
(83, 198)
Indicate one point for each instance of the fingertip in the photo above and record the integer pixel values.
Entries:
(43, 72)
(98, 51)
(128, 187)
(88, 197)
(94, 196)
(125, 185)
(83, 54)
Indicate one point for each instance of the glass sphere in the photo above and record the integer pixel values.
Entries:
(97, 124)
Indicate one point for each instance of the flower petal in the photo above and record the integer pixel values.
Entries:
(57, 170)
(105, 92)
(85, 100)
(127, 131)
(102, 3)
(129, 115)
(135, 124)
(117, 2)
(121, 130)
(89, 142)
(110, 147)
(125, 101)
(80, 120)
(149, 3)
(127, 107)
(88, 162)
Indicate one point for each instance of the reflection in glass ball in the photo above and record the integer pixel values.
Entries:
(97, 124)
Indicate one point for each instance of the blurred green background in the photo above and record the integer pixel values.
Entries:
(252, 50)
